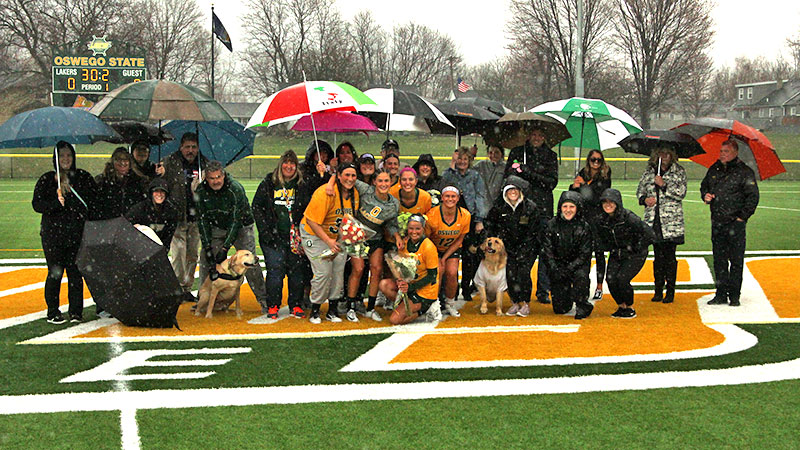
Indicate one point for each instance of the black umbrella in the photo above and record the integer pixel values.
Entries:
(513, 129)
(128, 274)
(468, 116)
(643, 143)
(131, 131)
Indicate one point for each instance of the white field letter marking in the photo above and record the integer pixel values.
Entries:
(114, 370)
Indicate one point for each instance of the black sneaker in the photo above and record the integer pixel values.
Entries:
(718, 300)
(75, 319)
(628, 313)
(734, 302)
(57, 320)
(618, 313)
(543, 300)
(189, 298)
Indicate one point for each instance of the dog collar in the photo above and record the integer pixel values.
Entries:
(229, 277)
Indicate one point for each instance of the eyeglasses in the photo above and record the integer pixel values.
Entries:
(595, 159)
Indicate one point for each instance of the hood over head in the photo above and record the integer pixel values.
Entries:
(570, 197)
(613, 195)
(427, 158)
(324, 147)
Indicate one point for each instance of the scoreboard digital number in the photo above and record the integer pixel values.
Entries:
(95, 75)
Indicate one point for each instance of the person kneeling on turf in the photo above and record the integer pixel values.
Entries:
(423, 290)
(567, 251)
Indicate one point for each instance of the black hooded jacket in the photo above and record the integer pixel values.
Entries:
(567, 244)
(434, 181)
(163, 218)
(116, 196)
(63, 222)
(311, 178)
(590, 193)
(539, 167)
(622, 231)
(519, 227)
(735, 189)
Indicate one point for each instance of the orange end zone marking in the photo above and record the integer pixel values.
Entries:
(658, 328)
(28, 302)
(22, 277)
(775, 277)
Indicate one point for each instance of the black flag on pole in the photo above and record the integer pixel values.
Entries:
(221, 32)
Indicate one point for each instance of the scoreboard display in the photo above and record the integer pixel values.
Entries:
(89, 75)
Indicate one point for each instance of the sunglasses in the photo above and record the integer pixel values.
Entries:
(596, 159)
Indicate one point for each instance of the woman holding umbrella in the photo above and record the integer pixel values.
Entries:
(661, 191)
(61, 196)
(590, 182)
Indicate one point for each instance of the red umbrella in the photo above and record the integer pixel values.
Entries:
(336, 122)
(754, 148)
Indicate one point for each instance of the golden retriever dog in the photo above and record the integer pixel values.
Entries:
(221, 293)
(490, 279)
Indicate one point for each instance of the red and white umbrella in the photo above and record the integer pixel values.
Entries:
(305, 98)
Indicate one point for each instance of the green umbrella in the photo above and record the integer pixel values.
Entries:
(592, 123)
(155, 100)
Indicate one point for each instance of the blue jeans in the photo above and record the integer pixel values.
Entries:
(281, 262)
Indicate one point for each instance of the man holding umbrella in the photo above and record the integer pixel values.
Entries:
(730, 188)
(535, 163)
(224, 220)
(182, 171)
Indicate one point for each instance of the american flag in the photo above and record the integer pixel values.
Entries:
(463, 86)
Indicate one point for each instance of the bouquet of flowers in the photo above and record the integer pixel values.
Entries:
(402, 221)
(403, 268)
(352, 238)
(436, 197)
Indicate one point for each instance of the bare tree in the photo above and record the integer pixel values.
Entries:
(279, 36)
(370, 46)
(658, 37)
(176, 42)
(548, 27)
(422, 57)
(694, 92)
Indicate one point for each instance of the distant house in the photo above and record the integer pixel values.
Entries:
(768, 104)
(240, 111)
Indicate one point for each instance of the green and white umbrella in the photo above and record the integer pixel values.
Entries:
(592, 123)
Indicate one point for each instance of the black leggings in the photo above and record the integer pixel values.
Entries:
(571, 290)
(619, 273)
(52, 288)
(665, 265)
(518, 277)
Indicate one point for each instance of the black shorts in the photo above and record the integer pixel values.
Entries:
(456, 254)
(380, 243)
(416, 299)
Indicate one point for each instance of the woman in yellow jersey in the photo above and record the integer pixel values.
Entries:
(448, 223)
(423, 290)
(412, 199)
(319, 232)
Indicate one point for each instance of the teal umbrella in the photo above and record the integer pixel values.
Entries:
(592, 123)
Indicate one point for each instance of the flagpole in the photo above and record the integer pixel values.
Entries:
(212, 50)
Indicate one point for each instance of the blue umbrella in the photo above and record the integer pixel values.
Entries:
(44, 127)
(225, 141)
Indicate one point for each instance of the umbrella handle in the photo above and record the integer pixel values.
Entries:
(311, 113)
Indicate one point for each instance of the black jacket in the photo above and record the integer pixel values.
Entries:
(539, 167)
(163, 218)
(115, 197)
(519, 227)
(63, 222)
(623, 232)
(735, 189)
(590, 194)
(265, 215)
(567, 244)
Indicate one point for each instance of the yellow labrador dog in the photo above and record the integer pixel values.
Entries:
(222, 292)
(490, 279)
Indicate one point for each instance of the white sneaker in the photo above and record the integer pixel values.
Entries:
(434, 313)
(381, 299)
(333, 318)
(315, 319)
(450, 307)
(351, 315)
(374, 316)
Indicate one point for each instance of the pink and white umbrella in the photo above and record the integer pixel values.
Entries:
(305, 98)
(335, 122)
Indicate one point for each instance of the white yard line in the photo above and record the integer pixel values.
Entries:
(129, 429)
(199, 398)
(700, 201)
(19, 320)
(755, 307)
(379, 357)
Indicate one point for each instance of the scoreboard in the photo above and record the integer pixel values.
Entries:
(90, 75)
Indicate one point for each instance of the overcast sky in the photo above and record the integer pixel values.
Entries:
(743, 27)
